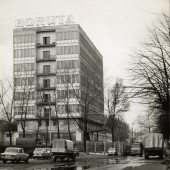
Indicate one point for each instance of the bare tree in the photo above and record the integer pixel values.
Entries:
(116, 103)
(150, 72)
(23, 98)
(7, 93)
(88, 101)
(147, 123)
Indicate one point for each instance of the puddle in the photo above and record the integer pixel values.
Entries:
(84, 165)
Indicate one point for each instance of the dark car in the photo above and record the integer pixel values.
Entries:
(136, 149)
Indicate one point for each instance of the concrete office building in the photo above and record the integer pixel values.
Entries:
(55, 67)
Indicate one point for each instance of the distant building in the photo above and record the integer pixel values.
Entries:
(51, 66)
(4, 133)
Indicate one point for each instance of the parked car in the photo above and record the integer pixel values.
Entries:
(41, 153)
(14, 154)
(76, 151)
(112, 151)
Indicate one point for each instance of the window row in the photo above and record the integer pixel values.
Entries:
(28, 38)
(24, 110)
(70, 79)
(90, 49)
(24, 81)
(23, 67)
(21, 53)
(71, 93)
(68, 64)
(64, 50)
(24, 96)
(72, 108)
(68, 35)
(92, 64)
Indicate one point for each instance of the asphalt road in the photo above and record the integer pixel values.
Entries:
(90, 162)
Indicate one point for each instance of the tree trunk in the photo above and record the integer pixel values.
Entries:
(70, 137)
(10, 134)
(23, 133)
(84, 141)
(58, 130)
(38, 129)
(113, 137)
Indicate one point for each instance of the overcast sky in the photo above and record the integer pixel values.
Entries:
(114, 26)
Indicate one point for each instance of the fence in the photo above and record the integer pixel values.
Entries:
(99, 147)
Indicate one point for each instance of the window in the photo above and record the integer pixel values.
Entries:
(19, 53)
(39, 123)
(54, 123)
(46, 112)
(15, 39)
(47, 122)
(46, 55)
(46, 83)
(22, 53)
(58, 64)
(30, 81)
(29, 52)
(32, 38)
(47, 97)
(46, 40)
(46, 69)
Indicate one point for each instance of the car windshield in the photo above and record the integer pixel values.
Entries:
(38, 149)
(136, 146)
(14, 150)
(112, 149)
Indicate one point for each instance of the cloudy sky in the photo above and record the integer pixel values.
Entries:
(114, 26)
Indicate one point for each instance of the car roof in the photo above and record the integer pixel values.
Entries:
(14, 148)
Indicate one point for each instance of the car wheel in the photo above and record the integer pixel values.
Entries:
(18, 160)
(26, 161)
(4, 161)
(73, 158)
(55, 159)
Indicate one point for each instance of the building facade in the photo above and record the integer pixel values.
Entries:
(58, 80)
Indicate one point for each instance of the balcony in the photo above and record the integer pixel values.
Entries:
(45, 30)
(51, 58)
(42, 88)
(46, 74)
(46, 103)
(38, 45)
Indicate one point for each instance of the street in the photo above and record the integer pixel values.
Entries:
(90, 162)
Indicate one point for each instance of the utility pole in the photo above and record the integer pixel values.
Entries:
(50, 127)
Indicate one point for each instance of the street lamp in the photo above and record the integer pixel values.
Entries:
(169, 111)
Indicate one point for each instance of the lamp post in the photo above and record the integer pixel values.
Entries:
(119, 152)
(132, 132)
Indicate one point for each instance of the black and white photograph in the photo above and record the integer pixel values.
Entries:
(85, 84)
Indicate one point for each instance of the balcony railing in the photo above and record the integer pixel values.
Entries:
(51, 58)
(42, 88)
(46, 74)
(47, 103)
(45, 45)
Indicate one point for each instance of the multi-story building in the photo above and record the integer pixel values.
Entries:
(58, 80)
